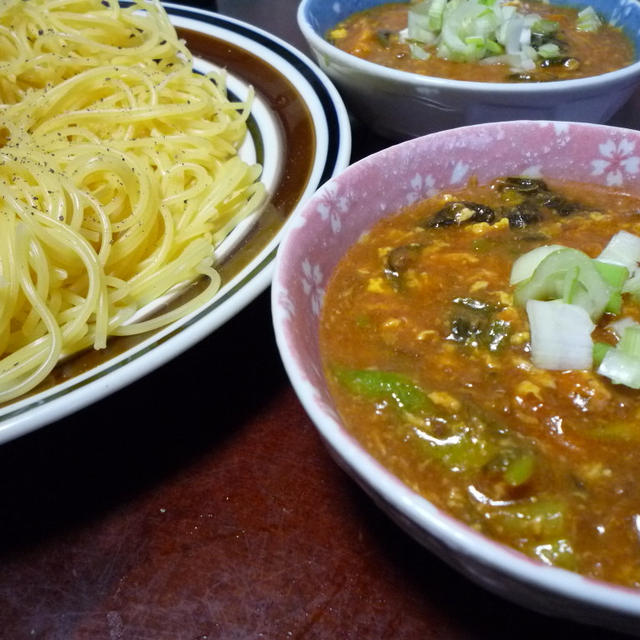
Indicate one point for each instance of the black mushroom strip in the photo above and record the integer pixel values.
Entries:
(399, 260)
(522, 215)
(473, 323)
(526, 202)
(521, 185)
(535, 194)
(461, 213)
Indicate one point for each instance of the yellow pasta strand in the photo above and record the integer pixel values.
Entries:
(119, 175)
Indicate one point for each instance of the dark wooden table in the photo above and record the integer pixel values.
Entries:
(199, 503)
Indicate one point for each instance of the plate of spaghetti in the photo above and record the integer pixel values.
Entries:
(149, 157)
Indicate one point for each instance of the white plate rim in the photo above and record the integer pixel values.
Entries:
(333, 148)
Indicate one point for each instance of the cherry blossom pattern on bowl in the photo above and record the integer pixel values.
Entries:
(318, 235)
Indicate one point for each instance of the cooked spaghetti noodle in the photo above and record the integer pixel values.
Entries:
(119, 175)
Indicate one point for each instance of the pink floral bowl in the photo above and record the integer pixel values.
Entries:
(333, 219)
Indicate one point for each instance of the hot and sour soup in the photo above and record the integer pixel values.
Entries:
(381, 35)
(428, 359)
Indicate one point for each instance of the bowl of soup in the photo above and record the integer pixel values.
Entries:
(407, 69)
(459, 315)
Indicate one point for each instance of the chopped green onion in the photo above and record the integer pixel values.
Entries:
(494, 47)
(560, 335)
(544, 27)
(588, 20)
(476, 41)
(621, 364)
(418, 29)
(520, 469)
(632, 287)
(549, 50)
(613, 274)
(614, 305)
(623, 249)
(569, 275)
(618, 326)
(630, 341)
(570, 286)
(418, 51)
(526, 264)
(599, 351)
(472, 30)
(565, 292)
(621, 368)
(386, 386)
(436, 9)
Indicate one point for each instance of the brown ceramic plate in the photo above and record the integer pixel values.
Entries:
(299, 132)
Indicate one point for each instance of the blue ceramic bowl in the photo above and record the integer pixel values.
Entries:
(401, 105)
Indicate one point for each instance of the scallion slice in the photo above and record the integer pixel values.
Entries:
(599, 351)
(621, 368)
(491, 31)
(614, 305)
(418, 29)
(526, 264)
(621, 364)
(435, 12)
(549, 50)
(618, 326)
(544, 27)
(615, 276)
(630, 341)
(565, 292)
(569, 275)
(418, 51)
(632, 287)
(623, 249)
(560, 335)
(588, 20)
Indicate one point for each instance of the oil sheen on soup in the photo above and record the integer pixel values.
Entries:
(555, 46)
(428, 354)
